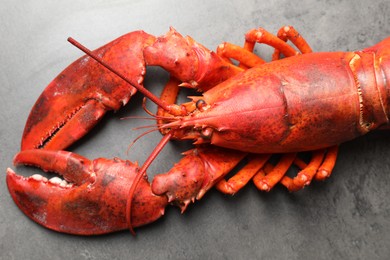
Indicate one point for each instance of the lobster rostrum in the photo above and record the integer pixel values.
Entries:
(299, 103)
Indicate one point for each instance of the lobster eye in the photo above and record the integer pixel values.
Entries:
(201, 104)
(207, 132)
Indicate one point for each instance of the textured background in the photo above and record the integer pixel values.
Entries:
(346, 217)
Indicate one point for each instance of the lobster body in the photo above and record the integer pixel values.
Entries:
(309, 102)
(300, 103)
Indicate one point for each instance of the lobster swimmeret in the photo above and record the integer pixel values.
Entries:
(310, 102)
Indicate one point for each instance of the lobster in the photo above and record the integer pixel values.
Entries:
(299, 102)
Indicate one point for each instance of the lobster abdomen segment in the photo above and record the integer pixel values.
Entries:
(296, 104)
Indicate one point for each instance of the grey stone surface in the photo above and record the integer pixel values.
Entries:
(346, 217)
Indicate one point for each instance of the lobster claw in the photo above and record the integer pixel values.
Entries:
(81, 94)
(92, 198)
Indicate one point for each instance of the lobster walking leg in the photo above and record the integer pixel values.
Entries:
(328, 164)
(169, 95)
(289, 33)
(267, 182)
(246, 58)
(260, 35)
(241, 178)
(305, 176)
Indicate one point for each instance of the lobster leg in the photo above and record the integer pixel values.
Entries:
(169, 95)
(246, 58)
(319, 168)
(241, 178)
(305, 176)
(260, 35)
(328, 164)
(245, 54)
(267, 182)
(289, 33)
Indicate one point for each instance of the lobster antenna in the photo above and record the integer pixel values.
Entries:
(140, 174)
(171, 108)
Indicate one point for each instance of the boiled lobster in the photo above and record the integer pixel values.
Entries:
(299, 103)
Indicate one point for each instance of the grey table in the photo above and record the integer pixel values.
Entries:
(346, 217)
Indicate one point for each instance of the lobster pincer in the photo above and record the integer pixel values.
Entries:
(90, 200)
(81, 94)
